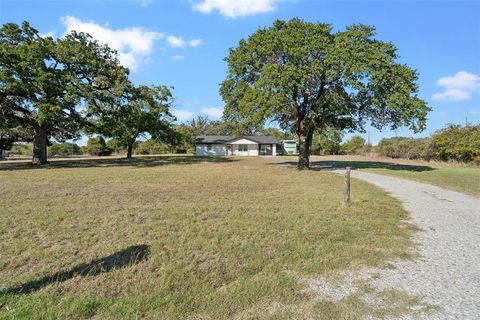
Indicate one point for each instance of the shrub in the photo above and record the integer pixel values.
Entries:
(457, 143)
(22, 149)
(97, 147)
(453, 143)
(356, 145)
(151, 147)
(117, 147)
(63, 149)
(405, 148)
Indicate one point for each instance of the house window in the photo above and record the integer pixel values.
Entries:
(242, 148)
(209, 147)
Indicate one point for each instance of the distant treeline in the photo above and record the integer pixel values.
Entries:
(453, 143)
(180, 140)
(96, 146)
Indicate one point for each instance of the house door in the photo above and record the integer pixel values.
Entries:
(242, 149)
(265, 149)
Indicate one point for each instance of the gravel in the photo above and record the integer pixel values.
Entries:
(447, 273)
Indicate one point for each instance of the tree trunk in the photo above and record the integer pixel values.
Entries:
(40, 147)
(305, 143)
(129, 150)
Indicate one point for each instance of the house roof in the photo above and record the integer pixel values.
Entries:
(259, 139)
(213, 139)
(226, 139)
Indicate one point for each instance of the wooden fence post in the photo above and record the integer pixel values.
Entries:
(346, 189)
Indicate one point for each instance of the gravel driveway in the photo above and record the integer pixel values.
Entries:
(448, 272)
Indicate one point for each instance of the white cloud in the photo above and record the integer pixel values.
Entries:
(183, 115)
(195, 42)
(132, 44)
(236, 8)
(144, 3)
(178, 42)
(458, 87)
(177, 57)
(213, 112)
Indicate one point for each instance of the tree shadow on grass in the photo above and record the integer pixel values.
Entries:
(142, 162)
(336, 164)
(129, 256)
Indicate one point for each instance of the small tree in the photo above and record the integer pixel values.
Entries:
(308, 79)
(140, 111)
(355, 145)
(184, 139)
(96, 146)
(199, 125)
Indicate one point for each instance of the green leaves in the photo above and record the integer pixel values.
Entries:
(304, 76)
(47, 85)
(138, 111)
(50, 77)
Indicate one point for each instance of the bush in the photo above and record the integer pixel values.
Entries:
(453, 143)
(117, 147)
(405, 148)
(21, 149)
(63, 149)
(97, 147)
(356, 145)
(151, 147)
(457, 143)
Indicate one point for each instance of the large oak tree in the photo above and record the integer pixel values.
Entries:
(47, 85)
(309, 78)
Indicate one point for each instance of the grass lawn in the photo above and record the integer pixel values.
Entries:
(447, 176)
(185, 238)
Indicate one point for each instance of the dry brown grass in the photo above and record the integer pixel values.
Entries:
(222, 236)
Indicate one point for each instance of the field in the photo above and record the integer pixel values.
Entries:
(184, 237)
(448, 176)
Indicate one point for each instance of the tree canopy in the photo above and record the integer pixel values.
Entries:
(139, 111)
(308, 78)
(47, 85)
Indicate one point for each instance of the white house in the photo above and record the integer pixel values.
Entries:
(235, 146)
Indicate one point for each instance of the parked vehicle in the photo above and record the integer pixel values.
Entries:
(289, 147)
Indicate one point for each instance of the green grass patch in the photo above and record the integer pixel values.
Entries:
(182, 237)
(463, 179)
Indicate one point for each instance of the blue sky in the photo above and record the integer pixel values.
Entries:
(183, 43)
